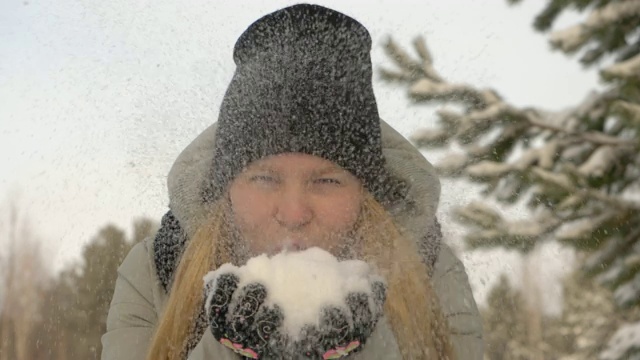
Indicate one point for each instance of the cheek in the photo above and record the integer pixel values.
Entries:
(250, 208)
(338, 214)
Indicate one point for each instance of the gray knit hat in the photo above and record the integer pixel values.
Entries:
(302, 84)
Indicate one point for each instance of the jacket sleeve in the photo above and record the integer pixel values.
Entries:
(451, 284)
(132, 315)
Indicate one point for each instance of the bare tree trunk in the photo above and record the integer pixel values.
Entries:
(29, 290)
(8, 299)
(5, 332)
(62, 347)
(24, 273)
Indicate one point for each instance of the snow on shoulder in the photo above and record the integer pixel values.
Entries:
(302, 283)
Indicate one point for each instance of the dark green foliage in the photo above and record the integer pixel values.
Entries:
(79, 298)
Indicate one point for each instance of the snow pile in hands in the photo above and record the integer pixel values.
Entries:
(303, 283)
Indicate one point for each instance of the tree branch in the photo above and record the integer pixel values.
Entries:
(593, 137)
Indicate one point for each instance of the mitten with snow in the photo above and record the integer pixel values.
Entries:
(300, 305)
(240, 319)
(343, 329)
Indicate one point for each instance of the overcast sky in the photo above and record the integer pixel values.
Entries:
(97, 98)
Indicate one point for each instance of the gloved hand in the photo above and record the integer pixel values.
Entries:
(241, 318)
(244, 324)
(342, 331)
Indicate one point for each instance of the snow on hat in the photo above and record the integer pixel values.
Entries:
(302, 84)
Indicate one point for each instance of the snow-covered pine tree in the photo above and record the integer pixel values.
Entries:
(504, 329)
(506, 333)
(578, 170)
(589, 317)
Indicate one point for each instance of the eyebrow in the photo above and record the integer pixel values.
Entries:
(328, 170)
(261, 168)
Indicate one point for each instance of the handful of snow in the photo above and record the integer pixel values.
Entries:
(302, 283)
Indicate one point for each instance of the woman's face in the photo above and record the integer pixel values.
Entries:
(295, 201)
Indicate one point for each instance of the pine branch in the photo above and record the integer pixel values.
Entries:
(629, 110)
(626, 69)
(427, 60)
(593, 137)
(428, 85)
(390, 75)
(410, 67)
(562, 181)
(428, 89)
(605, 256)
(571, 39)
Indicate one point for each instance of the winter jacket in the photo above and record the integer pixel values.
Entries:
(139, 295)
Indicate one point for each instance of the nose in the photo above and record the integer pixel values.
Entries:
(293, 210)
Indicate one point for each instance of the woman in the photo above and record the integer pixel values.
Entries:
(298, 158)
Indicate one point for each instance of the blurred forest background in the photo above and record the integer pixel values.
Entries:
(61, 315)
(577, 172)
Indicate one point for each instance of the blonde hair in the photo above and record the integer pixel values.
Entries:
(411, 307)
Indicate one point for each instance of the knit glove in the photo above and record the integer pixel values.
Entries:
(343, 330)
(252, 329)
(243, 318)
(242, 322)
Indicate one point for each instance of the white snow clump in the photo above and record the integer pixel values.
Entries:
(302, 283)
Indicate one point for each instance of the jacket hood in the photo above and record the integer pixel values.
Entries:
(416, 214)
